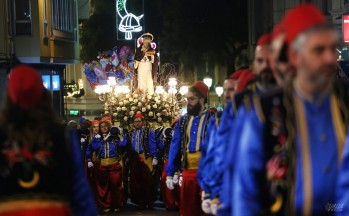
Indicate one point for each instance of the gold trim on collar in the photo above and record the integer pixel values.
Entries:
(305, 154)
(198, 137)
(338, 125)
(258, 108)
(190, 122)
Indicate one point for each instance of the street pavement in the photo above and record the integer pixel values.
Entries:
(131, 209)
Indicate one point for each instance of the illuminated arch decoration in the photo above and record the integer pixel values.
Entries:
(129, 22)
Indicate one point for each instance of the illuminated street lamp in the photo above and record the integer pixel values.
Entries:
(172, 82)
(219, 92)
(159, 90)
(183, 90)
(208, 82)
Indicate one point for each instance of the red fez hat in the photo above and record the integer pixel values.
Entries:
(301, 18)
(264, 40)
(138, 115)
(245, 78)
(95, 122)
(238, 73)
(106, 119)
(201, 87)
(25, 87)
(277, 30)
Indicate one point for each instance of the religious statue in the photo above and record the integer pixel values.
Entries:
(146, 64)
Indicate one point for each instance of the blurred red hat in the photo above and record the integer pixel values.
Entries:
(301, 18)
(25, 87)
(237, 74)
(106, 119)
(264, 40)
(245, 78)
(278, 28)
(95, 122)
(201, 87)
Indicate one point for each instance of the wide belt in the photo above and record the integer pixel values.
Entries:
(109, 161)
(193, 160)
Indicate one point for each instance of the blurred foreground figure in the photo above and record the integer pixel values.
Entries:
(40, 163)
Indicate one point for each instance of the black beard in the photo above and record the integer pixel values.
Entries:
(266, 77)
(194, 110)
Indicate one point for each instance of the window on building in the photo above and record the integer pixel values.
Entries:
(346, 3)
(63, 17)
(22, 15)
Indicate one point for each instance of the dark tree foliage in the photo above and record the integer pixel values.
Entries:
(98, 33)
(194, 29)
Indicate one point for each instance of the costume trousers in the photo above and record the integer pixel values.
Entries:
(190, 195)
(109, 186)
(170, 197)
(140, 182)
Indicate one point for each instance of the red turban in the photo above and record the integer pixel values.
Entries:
(25, 87)
(301, 18)
(201, 87)
(106, 119)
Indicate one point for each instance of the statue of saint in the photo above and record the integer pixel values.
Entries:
(146, 64)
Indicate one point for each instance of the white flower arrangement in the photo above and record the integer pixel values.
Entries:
(154, 108)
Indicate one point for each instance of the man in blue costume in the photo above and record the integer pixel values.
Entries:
(293, 139)
(213, 180)
(186, 145)
(206, 159)
(144, 157)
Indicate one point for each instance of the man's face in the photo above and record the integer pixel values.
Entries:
(261, 64)
(282, 71)
(194, 105)
(316, 63)
(229, 89)
(138, 123)
(95, 128)
(104, 127)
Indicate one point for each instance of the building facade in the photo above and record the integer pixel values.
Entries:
(44, 34)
